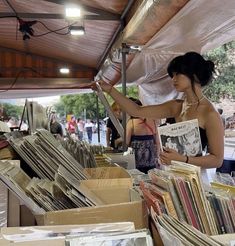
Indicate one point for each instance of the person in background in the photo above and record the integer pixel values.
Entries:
(55, 126)
(72, 127)
(13, 122)
(141, 136)
(80, 125)
(112, 135)
(189, 73)
(89, 129)
(24, 126)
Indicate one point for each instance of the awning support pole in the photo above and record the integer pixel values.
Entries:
(124, 52)
(98, 118)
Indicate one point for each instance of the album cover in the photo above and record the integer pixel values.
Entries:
(184, 137)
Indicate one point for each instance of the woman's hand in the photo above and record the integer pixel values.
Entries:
(168, 155)
(104, 86)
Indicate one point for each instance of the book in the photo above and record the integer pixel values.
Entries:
(165, 197)
(186, 201)
(163, 180)
(151, 200)
(184, 137)
(192, 174)
(113, 118)
(175, 232)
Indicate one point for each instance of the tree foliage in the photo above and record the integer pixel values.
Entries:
(10, 110)
(78, 104)
(81, 103)
(223, 85)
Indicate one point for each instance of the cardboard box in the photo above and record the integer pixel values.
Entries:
(13, 215)
(107, 173)
(127, 207)
(108, 176)
(126, 161)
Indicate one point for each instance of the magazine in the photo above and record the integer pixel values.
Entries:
(184, 137)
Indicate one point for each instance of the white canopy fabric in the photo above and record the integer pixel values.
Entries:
(200, 26)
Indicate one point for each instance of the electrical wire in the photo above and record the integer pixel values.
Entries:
(38, 35)
(17, 76)
(49, 30)
(54, 31)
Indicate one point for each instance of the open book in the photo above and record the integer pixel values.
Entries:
(184, 137)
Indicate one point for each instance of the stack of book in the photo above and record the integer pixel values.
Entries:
(41, 195)
(221, 197)
(82, 151)
(173, 231)
(44, 154)
(178, 192)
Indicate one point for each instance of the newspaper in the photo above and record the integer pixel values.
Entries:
(184, 137)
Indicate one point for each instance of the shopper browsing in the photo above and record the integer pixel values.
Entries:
(189, 73)
(112, 136)
(141, 136)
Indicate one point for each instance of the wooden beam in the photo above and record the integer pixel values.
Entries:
(59, 16)
(74, 65)
(43, 83)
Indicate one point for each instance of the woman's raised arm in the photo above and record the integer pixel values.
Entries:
(169, 109)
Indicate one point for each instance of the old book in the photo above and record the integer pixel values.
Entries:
(173, 231)
(186, 201)
(163, 180)
(18, 186)
(184, 137)
(151, 200)
(193, 175)
(165, 197)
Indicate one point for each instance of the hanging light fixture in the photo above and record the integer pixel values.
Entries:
(64, 70)
(72, 12)
(77, 30)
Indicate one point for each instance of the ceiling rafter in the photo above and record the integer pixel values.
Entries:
(86, 8)
(77, 66)
(58, 16)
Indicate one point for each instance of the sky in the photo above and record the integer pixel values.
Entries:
(46, 101)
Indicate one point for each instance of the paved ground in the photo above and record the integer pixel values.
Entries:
(95, 138)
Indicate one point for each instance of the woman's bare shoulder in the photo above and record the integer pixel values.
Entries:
(210, 113)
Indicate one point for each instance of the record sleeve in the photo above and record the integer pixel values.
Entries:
(184, 137)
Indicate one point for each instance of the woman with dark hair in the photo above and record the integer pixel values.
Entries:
(141, 136)
(189, 73)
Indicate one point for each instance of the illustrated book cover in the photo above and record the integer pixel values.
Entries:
(184, 137)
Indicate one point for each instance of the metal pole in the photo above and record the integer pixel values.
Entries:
(97, 118)
(124, 52)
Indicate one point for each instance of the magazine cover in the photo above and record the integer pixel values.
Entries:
(184, 137)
